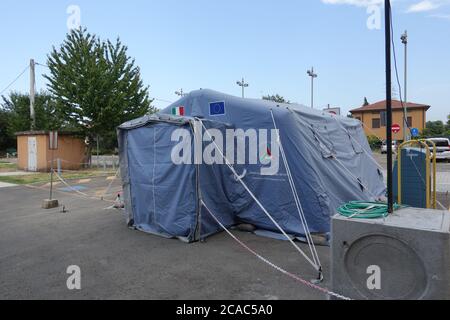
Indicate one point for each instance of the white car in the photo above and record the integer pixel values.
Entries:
(384, 147)
(442, 148)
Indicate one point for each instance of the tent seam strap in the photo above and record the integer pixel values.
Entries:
(297, 199)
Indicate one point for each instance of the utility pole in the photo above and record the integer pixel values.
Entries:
(387, 18)
(406, 135)
(180, 93)
(32, 93)
(243, 85)
(98, 153)
(313, 76)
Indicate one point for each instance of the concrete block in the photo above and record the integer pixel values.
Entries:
(50, 204)
(409, 251)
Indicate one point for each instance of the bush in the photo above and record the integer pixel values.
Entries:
(374, 142)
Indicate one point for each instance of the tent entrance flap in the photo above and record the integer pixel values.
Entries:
(166, 184)
(163, 194)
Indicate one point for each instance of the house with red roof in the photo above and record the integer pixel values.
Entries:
(373, 117)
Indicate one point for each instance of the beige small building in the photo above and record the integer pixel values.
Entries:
(34, 153)
(373, 117)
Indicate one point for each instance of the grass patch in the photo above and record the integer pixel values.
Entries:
(45, 177)
(7, 166)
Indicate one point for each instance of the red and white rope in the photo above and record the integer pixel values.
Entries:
(266, 261)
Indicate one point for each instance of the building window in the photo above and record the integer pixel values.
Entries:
(376, 123)
(410, 123)
(383, 118)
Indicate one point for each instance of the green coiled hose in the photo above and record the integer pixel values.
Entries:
(365, 210)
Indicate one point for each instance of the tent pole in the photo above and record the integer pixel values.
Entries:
(198, 231)
(200, 207)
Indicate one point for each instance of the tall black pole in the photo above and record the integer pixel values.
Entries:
(387, 8)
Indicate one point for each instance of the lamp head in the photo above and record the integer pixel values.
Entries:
(404, 38)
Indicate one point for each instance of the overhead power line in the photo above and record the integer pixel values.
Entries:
(15, 80)
(42, 65)
(162, 100)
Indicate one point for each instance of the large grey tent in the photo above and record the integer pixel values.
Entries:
(325, 160)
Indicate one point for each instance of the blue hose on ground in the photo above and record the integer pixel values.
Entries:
(365, 210)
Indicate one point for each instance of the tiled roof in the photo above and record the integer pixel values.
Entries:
(396, 105)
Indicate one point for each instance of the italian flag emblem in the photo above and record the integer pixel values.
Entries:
(178, 111)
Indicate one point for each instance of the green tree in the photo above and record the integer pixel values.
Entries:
(434, 129)
(275, 98)
(15, 116)
(6, 139)
(374, 142)
(447, 127)
(17, 108)
(96, 85)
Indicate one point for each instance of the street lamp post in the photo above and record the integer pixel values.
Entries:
(180, 93)
(243, 85)
(313, 76)
(404, 39)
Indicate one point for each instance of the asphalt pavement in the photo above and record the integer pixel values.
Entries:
(37, 247)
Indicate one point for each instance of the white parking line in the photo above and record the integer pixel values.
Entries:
(6, 185)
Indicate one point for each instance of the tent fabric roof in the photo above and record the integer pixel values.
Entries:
(147, 119)
(328, 155)
(396, 104)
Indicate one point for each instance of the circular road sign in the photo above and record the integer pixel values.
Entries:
(415, 132)
(395, 128)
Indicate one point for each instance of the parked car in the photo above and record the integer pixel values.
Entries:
(11, 153)
(384, 149)
(442, 148)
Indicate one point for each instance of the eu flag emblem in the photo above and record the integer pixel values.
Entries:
(217, 108)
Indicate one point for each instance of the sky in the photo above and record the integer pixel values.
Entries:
(192, 44)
